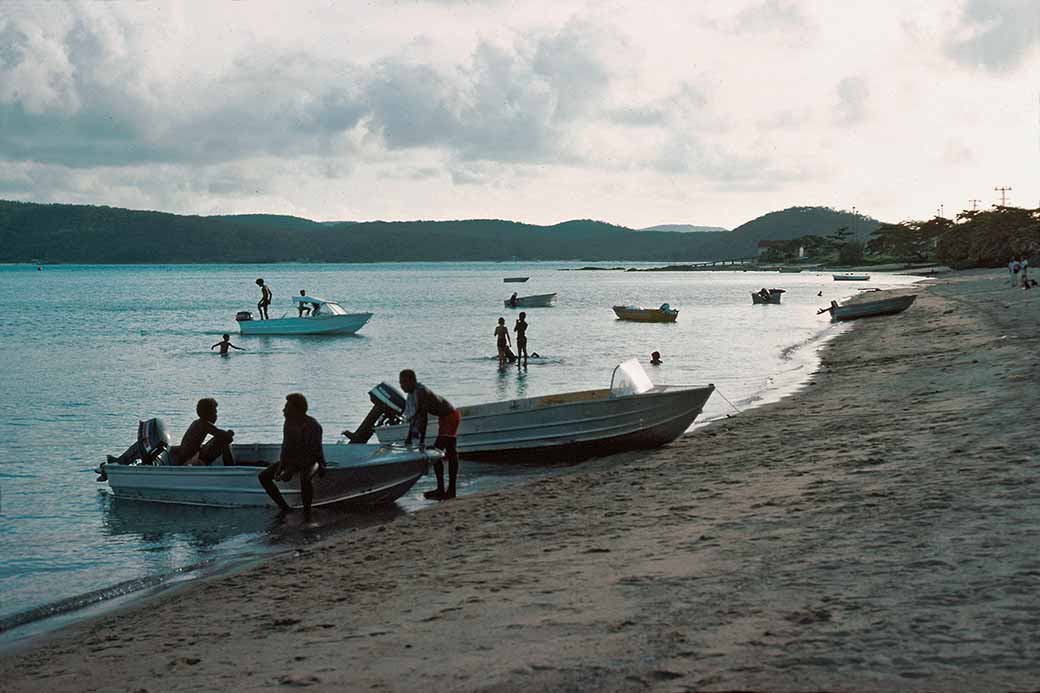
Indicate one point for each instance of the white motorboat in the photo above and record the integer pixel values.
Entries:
(536, 301)
(632, 413)
(850, 277)
(322, 317)
(356, 475)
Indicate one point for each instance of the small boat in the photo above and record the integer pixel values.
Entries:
(631, 414)
(325, 317)
(849, 277)
(773, 297)
(515, 280)
(536, 301)
(636, 314)
(789, 270)
(869, 309)
(363, 474)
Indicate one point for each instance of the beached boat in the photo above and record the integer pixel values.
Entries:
(637, 314)
(515, 280)
(773, 297)
(536, 301)
(325, 317)
(356, 475)
(790, 270)
(869, 309)
(849, 277)
(632, 413)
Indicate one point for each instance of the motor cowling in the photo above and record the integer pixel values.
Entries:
(243, 316)
(387, 409)
(153, 440)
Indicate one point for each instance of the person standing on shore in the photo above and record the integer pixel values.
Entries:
(301, 454)
(1013, 269)
(265, 299)
(521, 338)
(1024, 271)
(502, 335)
(420, 404)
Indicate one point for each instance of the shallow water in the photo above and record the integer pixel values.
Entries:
(91, 350)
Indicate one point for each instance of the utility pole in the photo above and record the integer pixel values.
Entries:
(974, 204)
(1003, 190)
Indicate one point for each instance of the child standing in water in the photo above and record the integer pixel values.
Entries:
(521, 338)
(224, 344)
(502, 334)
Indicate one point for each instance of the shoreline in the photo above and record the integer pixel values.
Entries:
(821, 541)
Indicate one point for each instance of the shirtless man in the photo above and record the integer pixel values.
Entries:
(420, 404)
(521, 338)
(224, 344)
(192, 450)
(301, 454)
(265, 299)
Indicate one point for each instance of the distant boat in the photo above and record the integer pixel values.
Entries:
(637, 314)
(515, 280)
(849, 277)
(855, 311)
(774, 297)
(631, 414)
(536, 301)
(790, 270)
(326, 317)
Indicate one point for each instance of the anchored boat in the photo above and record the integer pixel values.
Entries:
(317, 317)
(849, 277)
(771, 296)
(637, 314)
(515, 280)
(631, 414)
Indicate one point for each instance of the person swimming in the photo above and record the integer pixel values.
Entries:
(655, 358)
(224, 344)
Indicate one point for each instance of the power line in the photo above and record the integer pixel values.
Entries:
(1004, 189)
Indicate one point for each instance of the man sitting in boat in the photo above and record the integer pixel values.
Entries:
(512, 300)
(302, 454)
(420, 404)
(304, 308)
(192, 450)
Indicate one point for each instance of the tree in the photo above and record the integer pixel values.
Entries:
(851, 253)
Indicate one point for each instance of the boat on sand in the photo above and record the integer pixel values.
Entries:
(357, 475)
(631, 414)
(536, 301)
(850, 277)
(638, 314)
(325, 317)
(790, 270)
(869, 309)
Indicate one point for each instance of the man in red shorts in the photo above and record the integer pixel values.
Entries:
(421, 403)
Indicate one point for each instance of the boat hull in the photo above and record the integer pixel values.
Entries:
(645, 314)
(870, 309)
(537, 301)
(357, 474)
(850, 277)
(758, 299)
(572, 426)
(329, 324)
(790, 270)
(515, 280)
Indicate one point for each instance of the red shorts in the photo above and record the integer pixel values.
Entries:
(448, 425)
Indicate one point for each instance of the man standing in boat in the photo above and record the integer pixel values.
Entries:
(265, 299)
(192, 451)
(420, 404)
(302, 454)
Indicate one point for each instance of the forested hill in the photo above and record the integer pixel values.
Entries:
(92, 234)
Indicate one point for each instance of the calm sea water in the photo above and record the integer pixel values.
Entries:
(88, 351)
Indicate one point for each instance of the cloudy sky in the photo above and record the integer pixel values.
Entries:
(638, 113)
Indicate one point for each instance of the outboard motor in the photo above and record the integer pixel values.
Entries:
(243, 316)
(152, 441)
(388, 407)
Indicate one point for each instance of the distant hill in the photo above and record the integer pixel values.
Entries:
(94, 234)
(684, 228)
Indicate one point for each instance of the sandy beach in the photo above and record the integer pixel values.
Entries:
(878, 530)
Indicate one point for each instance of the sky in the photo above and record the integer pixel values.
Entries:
(636, 113)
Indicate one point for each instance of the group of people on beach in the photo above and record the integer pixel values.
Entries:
(1018, 271)
(302, 454)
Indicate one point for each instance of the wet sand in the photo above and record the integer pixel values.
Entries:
(880, 529)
